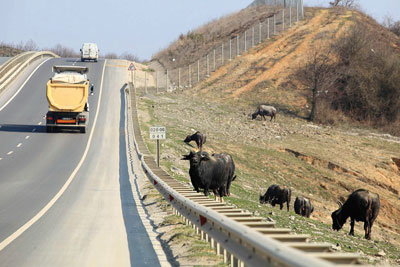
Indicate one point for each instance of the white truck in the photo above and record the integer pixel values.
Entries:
(89, 51)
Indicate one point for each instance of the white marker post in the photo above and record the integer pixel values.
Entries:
(158, 133)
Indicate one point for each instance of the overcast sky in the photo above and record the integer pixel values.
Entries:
(141, 27)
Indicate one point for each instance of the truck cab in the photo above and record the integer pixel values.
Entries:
(89, 51)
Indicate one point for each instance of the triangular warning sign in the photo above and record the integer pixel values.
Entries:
(131, 67)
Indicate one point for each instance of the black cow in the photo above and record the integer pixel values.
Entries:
(198, 137)
(264, 110)
(277, 195)
(303, 206)
(230, 169)
(361, 205)
(208, 172)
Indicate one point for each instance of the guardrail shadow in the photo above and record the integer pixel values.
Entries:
(22, 128)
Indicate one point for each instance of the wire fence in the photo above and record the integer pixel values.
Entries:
(189, 76)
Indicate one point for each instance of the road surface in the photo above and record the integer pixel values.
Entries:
(66, 198)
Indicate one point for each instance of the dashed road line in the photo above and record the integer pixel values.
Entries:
(27, 137)
(34, 130)
(9, 153)
(40, 123)
(1, 158)
(19, 145)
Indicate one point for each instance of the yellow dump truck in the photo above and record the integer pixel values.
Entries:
(67, 93)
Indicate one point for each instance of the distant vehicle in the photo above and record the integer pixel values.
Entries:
(67, 94)
(89, 51)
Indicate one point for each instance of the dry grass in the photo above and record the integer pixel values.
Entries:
(195, 44)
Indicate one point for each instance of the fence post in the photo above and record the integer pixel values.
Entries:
(252, 37)
(222, 54)
(190, 75)
(245, 41)
(283, 19)
(238, 45)
(134, 78)
(230, 49)
(259, 32)
(145, 81)
(274, 24)
(297, 10)
(166, 82)
(208, 66)
(302, 9)
(268, 28)
(179, 78)
(214, 61)
(198, 70)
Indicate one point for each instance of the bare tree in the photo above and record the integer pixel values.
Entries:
(393, 26)
(129, 56)
(345, 3)
(318, 75)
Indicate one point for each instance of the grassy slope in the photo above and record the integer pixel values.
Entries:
(336, 160)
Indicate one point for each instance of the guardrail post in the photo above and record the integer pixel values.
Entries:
(283, 19)
(259, 32)
(134, 78)
(274, 24)
(219, 249)
(227, 256)
(302, 9)
(297, 10)
(234, 261)
(268, 28)
(290, 16)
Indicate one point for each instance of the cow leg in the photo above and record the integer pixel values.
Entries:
(281, 205)
(352, 227)
(367, 229)
(287, 204)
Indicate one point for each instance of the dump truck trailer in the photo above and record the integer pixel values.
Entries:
(67, 94)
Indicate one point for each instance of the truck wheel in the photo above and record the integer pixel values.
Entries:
(83, 129)
(49, 129)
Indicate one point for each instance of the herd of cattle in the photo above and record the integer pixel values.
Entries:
(216, 172)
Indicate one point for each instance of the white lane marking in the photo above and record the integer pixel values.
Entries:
(75, 61)
(0, 158)
(19, 145)
(40, 123)
(27, 137)
(16, 93)
(9, 153)
(33, 130)
(43, 211)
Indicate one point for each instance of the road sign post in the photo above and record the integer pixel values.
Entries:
(132, 68)
(157, 133)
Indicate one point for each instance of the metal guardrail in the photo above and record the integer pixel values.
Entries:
(15, 65)
(243, 239)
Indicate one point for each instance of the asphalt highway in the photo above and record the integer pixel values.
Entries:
(65, 197)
